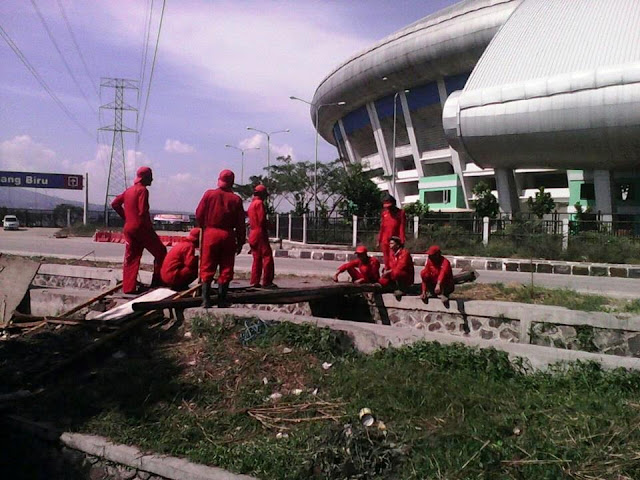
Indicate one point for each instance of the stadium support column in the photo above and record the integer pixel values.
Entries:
(381, 145)
(347, 143)
(507, 190)
(413, 142)
(602, 184)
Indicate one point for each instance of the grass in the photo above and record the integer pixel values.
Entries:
(78, 230)
(561, 297)
(448, 412)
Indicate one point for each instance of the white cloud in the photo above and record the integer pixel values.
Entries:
(254, 141)
(260, 141)
(22, 153)
(250, 52)
(176, 146)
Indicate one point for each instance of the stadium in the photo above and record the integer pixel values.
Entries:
(521, 94)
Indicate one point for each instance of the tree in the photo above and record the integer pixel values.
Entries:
(542, 204)
(355, 191)
(485, 203)
(417, 209)
(60, 213)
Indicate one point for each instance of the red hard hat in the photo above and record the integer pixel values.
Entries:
(260, 189)
(226, 179)
(361, 249)
(433, 250)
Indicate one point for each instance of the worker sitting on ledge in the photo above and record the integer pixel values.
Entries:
(399, 274)
(180, 266)
(364, 269)
(437, 276)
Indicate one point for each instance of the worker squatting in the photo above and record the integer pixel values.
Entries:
(222, 234)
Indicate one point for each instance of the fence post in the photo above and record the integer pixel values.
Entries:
(565, 234)
(485, 231)
(277, 225)
(416, 226)
(304, 228)
(354, 238)
(68, 218)
(289, 227)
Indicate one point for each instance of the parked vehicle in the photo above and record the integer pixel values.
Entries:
(172, 221)
(10, 222)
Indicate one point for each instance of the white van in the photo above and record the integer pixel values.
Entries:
(10, 222)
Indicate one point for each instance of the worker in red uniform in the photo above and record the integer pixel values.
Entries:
(133, 206)
(259, 240)
(364, 269)
(392, 224)
(399, 273)
(221, 216)
(437, 276)
(180, 266)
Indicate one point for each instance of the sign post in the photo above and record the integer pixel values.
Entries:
(85, 212)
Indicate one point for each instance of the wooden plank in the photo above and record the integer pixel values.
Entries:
(16, 275)
(134, 320)
(276, 296)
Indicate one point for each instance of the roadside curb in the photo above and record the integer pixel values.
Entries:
(96, 450)
(485, 263)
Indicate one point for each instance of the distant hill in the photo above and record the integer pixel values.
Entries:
(23, 198)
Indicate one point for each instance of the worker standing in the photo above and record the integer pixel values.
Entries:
(392, 224)
(259, 240)
(180, 266)
(437, 276)
(221, 216)
(133, 206)
(399, 274)
(364, 269)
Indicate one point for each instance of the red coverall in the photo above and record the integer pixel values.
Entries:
(221, 215)
(180, 266)
(138, 235)
(392, 224)
(401, 265)
(433, 273)
(369, 271)
(259, 243)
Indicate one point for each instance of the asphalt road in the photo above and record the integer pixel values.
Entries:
(40, 241)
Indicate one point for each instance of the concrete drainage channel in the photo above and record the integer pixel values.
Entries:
(542, 335)
(489, 323)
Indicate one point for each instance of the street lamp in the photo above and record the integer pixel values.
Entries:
(393, 148)
(242, 150)
(315, 163)
(268, 134)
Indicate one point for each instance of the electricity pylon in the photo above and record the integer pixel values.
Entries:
(117, 178)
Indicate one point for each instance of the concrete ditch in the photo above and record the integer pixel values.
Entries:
(492, 322)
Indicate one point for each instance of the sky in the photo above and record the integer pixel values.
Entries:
(221, 66)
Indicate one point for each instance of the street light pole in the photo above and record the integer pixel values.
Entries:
(268, 134)
(242, 150)
(315, 163)
(393, 142)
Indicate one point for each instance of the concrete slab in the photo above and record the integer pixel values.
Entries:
(370, 337)
(16, 275)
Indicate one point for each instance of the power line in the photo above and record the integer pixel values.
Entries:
(64, 60)
(75, 43)
(153, 65)
(41, 81)
(143, 59)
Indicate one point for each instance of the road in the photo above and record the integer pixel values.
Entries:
(40, 242)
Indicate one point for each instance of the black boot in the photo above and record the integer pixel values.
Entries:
(206, 295)
(223, 288)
